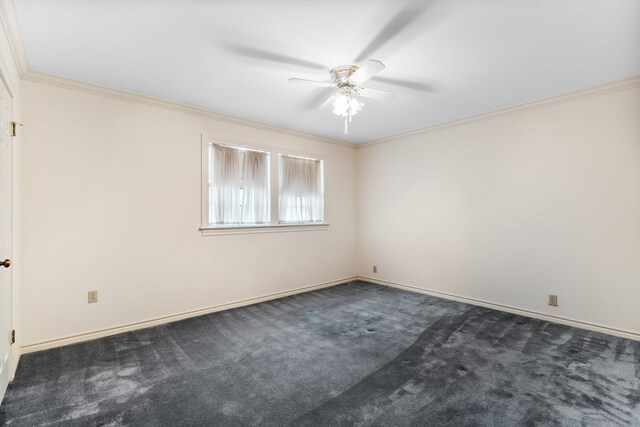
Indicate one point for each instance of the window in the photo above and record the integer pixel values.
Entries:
(238, 186)
(260, 190)
(300, 198)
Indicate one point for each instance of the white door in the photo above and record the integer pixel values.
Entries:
(6, 115)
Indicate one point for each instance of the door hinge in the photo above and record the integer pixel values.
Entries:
(14, 127)
(13, 336)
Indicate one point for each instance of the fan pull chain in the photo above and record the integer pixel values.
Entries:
(346, 125)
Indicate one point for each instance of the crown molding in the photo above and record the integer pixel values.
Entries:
(11, 26)
(93, 89)
(532, 105)
(63, 82)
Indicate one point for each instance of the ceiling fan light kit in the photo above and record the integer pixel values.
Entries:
(347, 80)
(344, 104)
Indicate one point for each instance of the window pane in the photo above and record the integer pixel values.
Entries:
(238, 186)
(301, 196)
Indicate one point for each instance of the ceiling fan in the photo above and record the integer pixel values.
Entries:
(347, 80)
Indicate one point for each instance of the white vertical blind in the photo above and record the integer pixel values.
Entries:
(301, 195)
(239, 186)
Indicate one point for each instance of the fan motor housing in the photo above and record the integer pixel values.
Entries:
(340, 75)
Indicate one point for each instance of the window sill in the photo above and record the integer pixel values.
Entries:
(255, 229)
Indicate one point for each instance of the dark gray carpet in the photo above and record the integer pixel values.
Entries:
(355, 354)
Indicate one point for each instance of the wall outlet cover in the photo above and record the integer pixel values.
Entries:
(92, 296)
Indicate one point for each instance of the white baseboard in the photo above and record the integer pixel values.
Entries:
(520, 311)
(180, 316)
(59, 342)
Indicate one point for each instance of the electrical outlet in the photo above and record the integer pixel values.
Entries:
(92, 296)
(375, 268)
(553, 300)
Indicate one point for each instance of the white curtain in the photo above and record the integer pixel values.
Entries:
(239, 181)
(301, 198)
(256, 187)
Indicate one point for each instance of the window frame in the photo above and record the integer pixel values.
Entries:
(206, 229)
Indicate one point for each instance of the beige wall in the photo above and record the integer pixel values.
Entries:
(504, 209)
(510, 208)
(111, 191)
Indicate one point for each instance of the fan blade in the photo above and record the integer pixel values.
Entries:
(382, 95)
(364, 73)
(265, 55)
(317, 99)
(328, 101)
(400, 21)
(310, 82)
(419, 86)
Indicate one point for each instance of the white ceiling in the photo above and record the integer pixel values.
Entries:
(466, 57)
